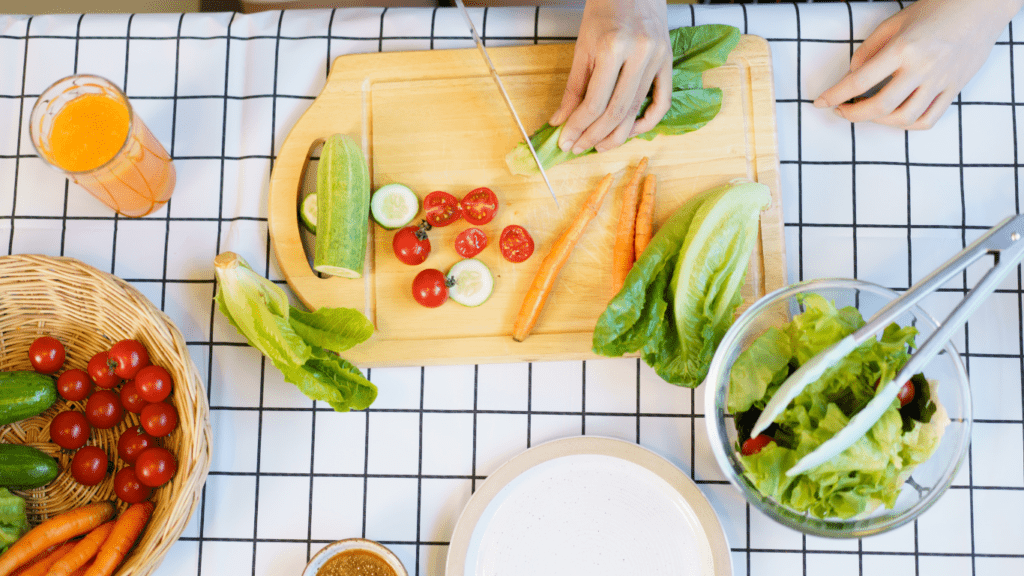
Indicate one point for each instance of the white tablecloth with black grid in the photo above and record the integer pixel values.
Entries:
(222, 90)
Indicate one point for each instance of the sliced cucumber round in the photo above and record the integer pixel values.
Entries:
(394, 205)
(473, 282)
(307, 212)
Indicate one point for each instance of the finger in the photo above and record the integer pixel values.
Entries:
(873, 43)
(575, 88)
(884, 102)
(619, 133)
(618, 108)
(911, 110)
(598, 93)
(660, 102)
(856, 83)
(935, 110)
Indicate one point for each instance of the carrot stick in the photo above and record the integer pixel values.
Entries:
(544, 281)
(57, 529)
(126, 531)
(645, 215)
(622, 254)
(40, 566)
(83, 551)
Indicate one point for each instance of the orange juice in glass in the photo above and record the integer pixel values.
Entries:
(85, 127)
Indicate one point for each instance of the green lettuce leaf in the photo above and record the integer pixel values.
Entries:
(13, 520)
(329, 378)
(336, 329)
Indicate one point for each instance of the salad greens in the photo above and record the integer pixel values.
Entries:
(13, 520)
(679, 298)
(694, 49)
(304, 346)
(871, 471)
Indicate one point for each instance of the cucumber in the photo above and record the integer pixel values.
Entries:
(24, 394)
(25, 467)
(343, 206)
(394, 206)
(473, 282)
(307, 212)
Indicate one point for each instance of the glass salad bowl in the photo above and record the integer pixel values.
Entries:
(949, 387)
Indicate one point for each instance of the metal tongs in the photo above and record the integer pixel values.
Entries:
(1001, 241)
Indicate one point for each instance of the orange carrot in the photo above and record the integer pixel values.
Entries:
(645, 215)
(57, 529)
(40, 566)
(544, 281)
(83, 551)
(126, 531)
(622, 254)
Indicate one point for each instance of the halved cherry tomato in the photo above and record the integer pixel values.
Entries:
(411, 244)
(479, 206)
(516, 243)
(441, 208)
(128, 356)
(74, 384)
(755, 444)
(470, 242)
(46, 354)
(906, 393)
(430, 288)
(101, 370)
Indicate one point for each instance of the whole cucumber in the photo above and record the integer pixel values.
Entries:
(24, 394)
(343, 208)
(25, 467)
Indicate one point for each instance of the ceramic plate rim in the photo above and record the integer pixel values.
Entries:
(458, 548)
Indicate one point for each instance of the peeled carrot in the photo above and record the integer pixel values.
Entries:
(81, 570)
(645, 215)
(544, 281)
(57, 529)
(622, 254)
(83, 551)
(41, 566)
(126, 531)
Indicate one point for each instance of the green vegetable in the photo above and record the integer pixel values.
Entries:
(24, 393)
(680, 296)
(694, 49)
(304, 346)
(870, 472)
(307, 212)
(25, 467)
(13, 520)
(394, 205)
(343, 208)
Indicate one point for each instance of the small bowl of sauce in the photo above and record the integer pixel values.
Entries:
(354, 557)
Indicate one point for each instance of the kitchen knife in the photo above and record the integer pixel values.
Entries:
(504, 95)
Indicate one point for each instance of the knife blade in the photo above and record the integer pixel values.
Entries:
(504, 95)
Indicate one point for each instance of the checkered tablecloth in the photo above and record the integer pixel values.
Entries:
(222, 90)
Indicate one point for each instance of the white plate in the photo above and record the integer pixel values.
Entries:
(588, 505)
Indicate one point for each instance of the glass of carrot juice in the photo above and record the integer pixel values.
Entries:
(85, 127)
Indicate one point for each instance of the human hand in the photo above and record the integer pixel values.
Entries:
(930, 50)
(623, 48)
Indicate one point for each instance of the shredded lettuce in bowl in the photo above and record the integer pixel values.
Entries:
(869, 473)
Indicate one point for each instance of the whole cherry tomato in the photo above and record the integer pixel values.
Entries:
(430, 288)
(131, 400)
(103, 409)
(129, 356)
(470, 242)
(46, 354)
(516, 243)
(74, 384)
(128, 488)
(755, 444)
(69, 430)
(89, 465)
(479, 206)
(441, 208)
(906, 393)
(132, 442)
(159, 419)
(101, 370)
(155, 466)
(154, 383)
(411, 244)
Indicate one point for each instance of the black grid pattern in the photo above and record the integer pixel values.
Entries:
(401, 471)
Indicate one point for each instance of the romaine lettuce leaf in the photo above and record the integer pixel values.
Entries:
(336, 329)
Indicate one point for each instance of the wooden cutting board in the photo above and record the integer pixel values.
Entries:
(434, 120)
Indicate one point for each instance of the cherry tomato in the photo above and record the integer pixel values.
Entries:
(74, 384)
(46, 354)
(129, 356)
(411, 244)
(153, 383)
(441, 208)
(103, 409)
(155, 466)
(128, 488)
(430, 288)
(479, 206)
(755, 444)
(906, 393)
(515, 243)
(101, 370)
(131, 400)
(134, 441)
(69, 430)
(89, 465)
(159, 419)
(470, 242)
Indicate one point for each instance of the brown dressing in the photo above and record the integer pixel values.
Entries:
(356, 563)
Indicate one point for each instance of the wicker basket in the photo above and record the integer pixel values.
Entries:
(88, 310)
